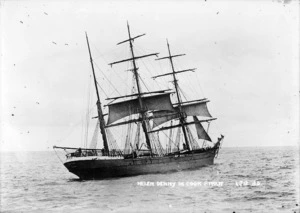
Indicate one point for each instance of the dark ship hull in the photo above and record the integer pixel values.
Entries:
(95, 168)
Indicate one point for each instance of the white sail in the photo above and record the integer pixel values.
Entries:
(123, 109)
(163, 116)
(196, 109)
(191, 109)
(202, 134)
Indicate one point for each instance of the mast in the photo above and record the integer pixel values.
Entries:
(100, 113)
(142, 109)
(182, 119)
(136, 75)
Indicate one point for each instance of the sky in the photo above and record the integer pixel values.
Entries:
(246, 54)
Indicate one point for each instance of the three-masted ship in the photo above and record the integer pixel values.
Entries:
(149, 112)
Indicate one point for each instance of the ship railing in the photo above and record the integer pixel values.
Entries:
(85, 152)
(95, 152)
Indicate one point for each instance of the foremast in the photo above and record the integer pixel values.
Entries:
(142, 109)
(182, 118)
(99, 109)
(181, 112)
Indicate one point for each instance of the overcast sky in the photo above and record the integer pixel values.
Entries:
(246, 54)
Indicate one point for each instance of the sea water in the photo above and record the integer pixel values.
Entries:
(242, 180)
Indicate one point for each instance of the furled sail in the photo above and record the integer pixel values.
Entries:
(202, 134)
(125, 108)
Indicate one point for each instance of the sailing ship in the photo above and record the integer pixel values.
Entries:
(147, 113)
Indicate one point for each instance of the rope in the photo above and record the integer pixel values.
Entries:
(107, 78)
(58, 156)
(204, 142)
(170, 139)
(117, 74)
(149, 70)
(87, 114)
(72, 129)
(143, 83)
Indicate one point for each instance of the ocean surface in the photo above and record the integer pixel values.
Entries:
(242, 180)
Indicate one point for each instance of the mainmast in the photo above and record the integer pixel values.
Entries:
(136, 75)
(100, 113)
(182, 115)
(142, 109)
